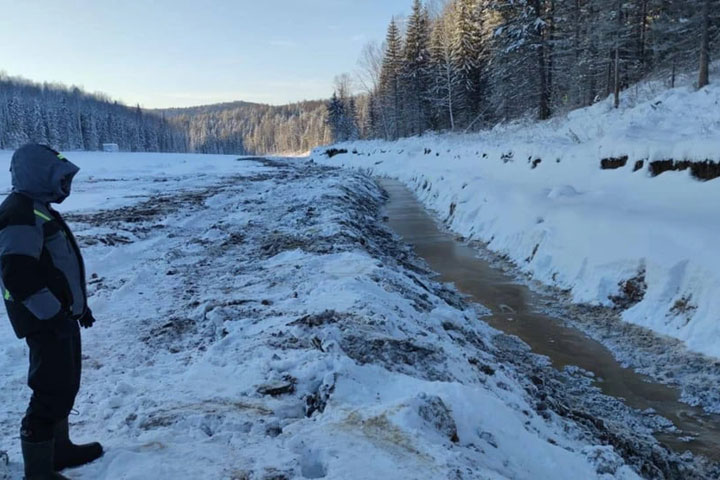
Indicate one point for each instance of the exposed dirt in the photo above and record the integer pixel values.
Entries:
(567, 394)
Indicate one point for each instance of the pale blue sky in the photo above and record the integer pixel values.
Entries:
(163, 53)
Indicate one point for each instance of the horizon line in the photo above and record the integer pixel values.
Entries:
(4, 75)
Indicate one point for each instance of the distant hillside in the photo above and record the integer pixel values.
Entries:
(212, 108)
(70, 119)
(251, 128)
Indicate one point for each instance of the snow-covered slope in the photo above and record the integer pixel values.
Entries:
(256, 321)
(536, 193)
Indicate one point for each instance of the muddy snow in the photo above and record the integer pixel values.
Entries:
(258, 320)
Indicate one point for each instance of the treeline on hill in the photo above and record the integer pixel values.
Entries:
(70, 119)
(476, 63)
(251, 128)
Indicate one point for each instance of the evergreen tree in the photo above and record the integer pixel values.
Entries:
(336, 118)
(371, 124)
(350, 120)
(468, 54)
(342, 118)
(523, 37)
(416, 74)
(390, 83)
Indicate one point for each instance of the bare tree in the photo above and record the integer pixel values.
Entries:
(370, 66)
(445, 79)
(344, 86)
(704, 77)
(616, 89)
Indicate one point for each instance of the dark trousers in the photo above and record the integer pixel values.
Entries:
(54, 377)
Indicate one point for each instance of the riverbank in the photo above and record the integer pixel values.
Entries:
(576, 203)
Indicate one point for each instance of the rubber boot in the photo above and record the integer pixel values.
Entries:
(69, 455)
(38, 458)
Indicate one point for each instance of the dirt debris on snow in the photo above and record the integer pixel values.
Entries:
(296, 333)
(352, 215)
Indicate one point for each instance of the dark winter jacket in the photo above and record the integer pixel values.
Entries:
(42, 271)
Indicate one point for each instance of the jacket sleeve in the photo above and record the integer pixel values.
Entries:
(22, 279)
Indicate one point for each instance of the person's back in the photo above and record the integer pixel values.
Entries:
(42, 277)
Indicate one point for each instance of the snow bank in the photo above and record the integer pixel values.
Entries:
(265, 326)
(535, 192)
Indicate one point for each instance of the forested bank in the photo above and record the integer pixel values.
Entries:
(470, 64)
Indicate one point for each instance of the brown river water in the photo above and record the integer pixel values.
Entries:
(514, 311)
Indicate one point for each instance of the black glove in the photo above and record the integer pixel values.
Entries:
(87, 320)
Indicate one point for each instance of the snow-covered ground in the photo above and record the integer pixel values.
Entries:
(256, 320)
(535, 193)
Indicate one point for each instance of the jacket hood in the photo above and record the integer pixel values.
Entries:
(41, 173)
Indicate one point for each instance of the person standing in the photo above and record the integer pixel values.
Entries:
(42, 276)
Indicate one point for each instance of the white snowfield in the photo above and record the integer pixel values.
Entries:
(252, 324)
(570, 224)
